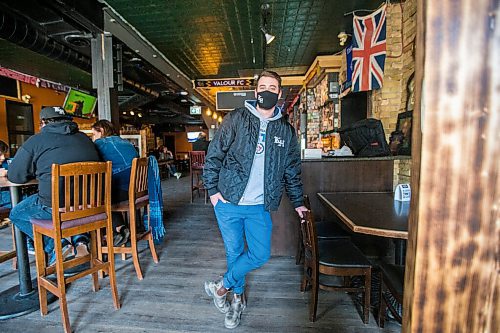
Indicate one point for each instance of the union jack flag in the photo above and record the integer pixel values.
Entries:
(368, 51)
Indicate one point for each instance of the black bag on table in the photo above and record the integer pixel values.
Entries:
(366, 138)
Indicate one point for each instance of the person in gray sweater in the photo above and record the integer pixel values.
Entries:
(253, 157)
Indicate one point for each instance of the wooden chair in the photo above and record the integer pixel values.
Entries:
(392, 286)
(87, 208)
(8, 255)
(338, 257)
(196, 165)
(324, 230)
(138, 199)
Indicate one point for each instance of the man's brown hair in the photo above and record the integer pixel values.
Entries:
(272, 74)
(105, 127)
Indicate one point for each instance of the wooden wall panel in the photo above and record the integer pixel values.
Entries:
(452, 282)
(328, 176)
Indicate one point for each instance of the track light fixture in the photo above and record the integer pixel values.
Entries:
(268, 36)
(265, 13)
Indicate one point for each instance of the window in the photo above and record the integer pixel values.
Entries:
(19, 124)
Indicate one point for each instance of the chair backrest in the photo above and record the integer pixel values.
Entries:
(138, 187)
(196, 159)
(309, 239)
(307, 202)
(86, 187)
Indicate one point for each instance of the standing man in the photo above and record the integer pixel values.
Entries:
(60, 142)
(253, 156)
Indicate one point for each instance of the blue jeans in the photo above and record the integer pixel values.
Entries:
(32, 208)
(237, 223)
(5, 198)
(172, 169)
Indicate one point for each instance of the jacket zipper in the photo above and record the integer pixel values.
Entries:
(266, 159)
(253, 157)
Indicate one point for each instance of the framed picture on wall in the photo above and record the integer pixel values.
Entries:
(403, 126)
(135, 140)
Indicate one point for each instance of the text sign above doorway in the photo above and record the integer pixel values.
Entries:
(239, 82)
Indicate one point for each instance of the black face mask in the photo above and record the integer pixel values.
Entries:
(266, 99)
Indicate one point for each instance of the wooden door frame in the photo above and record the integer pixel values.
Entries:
(451, 280)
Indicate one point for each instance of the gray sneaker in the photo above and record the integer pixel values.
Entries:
(233, 316)
(220, 302)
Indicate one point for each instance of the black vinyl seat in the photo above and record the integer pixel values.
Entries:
(341, 253)
(391, 291)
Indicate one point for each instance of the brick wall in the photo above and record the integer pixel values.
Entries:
(402, 171)
(387, 102)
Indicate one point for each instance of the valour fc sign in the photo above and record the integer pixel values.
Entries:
(224, 83)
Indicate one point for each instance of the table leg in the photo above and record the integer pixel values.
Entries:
(400, 251)
(22, 299)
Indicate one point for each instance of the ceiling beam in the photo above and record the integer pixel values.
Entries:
(322, 62)
(297, 80)
(121, 29)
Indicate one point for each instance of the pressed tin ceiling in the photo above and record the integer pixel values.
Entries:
(222, 38)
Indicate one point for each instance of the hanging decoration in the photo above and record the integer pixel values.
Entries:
(30, 79)
(369, 50)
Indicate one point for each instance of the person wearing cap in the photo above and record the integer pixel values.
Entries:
(59, 141)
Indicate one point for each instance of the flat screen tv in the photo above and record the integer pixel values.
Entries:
(192, 136)
(79, 104)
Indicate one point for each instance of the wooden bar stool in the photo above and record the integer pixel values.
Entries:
(138, 199)
(337, 257)
(196, 165)
(8, 255)
(86, 188)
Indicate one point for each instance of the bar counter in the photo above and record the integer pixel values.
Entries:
(335, 174)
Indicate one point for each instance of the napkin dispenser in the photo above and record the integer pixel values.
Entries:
(403, 192)
(311, 153)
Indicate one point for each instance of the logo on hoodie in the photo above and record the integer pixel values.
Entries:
(262, 139)
(279, 141)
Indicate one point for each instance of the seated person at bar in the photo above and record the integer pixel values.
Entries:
(4, 193)
(166, 155)
(201, 144)
(120, 152)
(60, 142)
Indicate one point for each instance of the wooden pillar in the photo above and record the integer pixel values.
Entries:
(452, 282)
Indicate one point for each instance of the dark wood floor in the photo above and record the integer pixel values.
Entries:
(171, 297)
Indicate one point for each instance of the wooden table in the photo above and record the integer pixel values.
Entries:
(372, 213)
(21, 299)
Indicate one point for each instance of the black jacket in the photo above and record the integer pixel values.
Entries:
(58, 143)
(231, 153)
